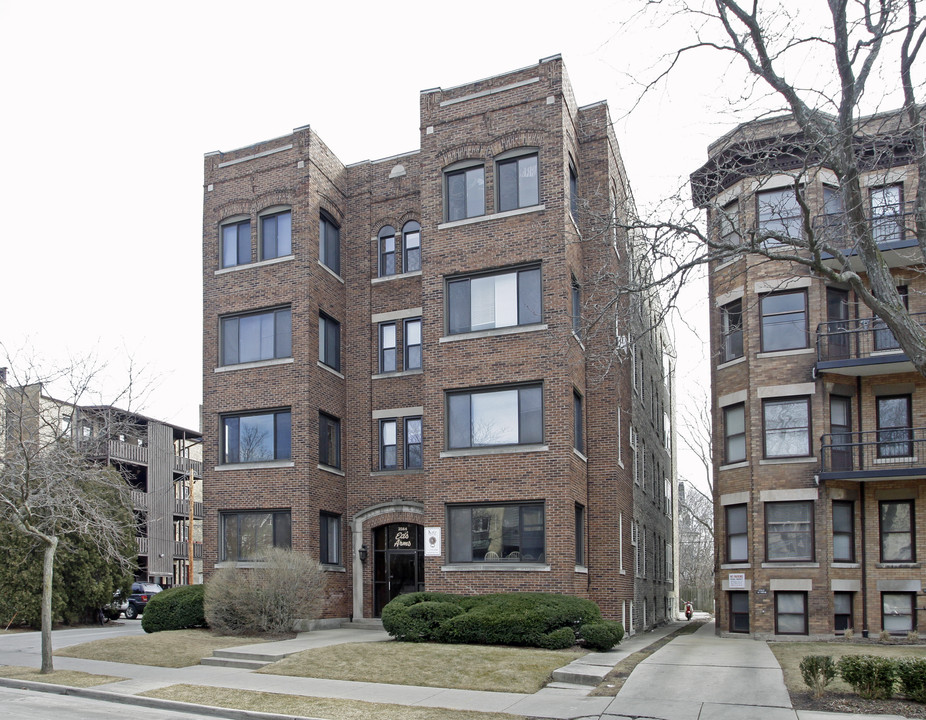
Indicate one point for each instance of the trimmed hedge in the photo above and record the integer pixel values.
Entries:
(912, 674)
(870, 676)
(529, 619)
(176, 608)
(818, 671)
(602, 636)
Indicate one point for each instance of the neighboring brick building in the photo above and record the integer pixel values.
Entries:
(411, 368)
(818, 449)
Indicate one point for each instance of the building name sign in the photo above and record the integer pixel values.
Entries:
(402, 538)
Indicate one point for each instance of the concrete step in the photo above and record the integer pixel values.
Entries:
(581, 674)
(264, 657)
(233, 663)
(363, 624)
(566, 686)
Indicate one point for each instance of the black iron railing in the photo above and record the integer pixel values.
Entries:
(877, 453)
(890, 226)
(859, 338)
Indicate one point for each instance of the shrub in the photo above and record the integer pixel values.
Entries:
(848, 634)
(602, 636)
(871, 677)
(558, 639)
(913, 636)
(884, 636)
(912, 675)
(175, 609)
(284, 587)
(818, 671)
(399, 622)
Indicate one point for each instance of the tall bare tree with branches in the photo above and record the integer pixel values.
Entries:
(51, 483)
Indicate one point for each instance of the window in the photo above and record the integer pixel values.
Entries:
(731, 331)
(840, 432)
(276, 235)
(576, 298)
(496, 417)
(236, 243)
(843, 531)
(387, 347)
(836, 335)
(387, 251)
(789, 531)
(784, 321)
(737, 537)
(257, 336)
(787, 427)
(329, 243)
(517, 183)
(791, 613)
(884, 338)
(413, 455)
(739, 612)
(894, 426)
(257, 437)
(897, 612)
(734, 433)
(411, 245)
(387, 444)
(493, 533)
(574, 194)
(466, 193)
(246, 535)
(329, 341)
(887, 213)
(329, 538)
(580, 534)
(578, 423)
(779, 215)
(413, 344)
(329, 441)
(842, 611)
(728, 224)
(485, 302)
(896, 526)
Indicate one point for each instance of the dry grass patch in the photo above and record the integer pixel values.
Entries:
(329, 708)
(464, 667)
(172, 648)
(71, 678)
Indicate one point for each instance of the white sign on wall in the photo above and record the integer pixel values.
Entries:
(737, 581)
(432, 542)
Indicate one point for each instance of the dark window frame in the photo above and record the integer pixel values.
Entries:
(900, 436)
(574, 193)
(412, 363)
(578, 421)
(329, 440)
(736, 615)
(281, 422)
(410, 462)
(795, 399)
(502, 179)
(883, 535)
(786, 221)
(468, 552)
(766, 322)
(729, 510)
(728, 437)
(810, 532)
(450, 176)
(282, 343)
(911, 596)
(281, 532)
(454, 434)
(387, 255)
(388, 360)
(842, 532)
(329, 341)
(731, 331)
(528, 291)
(329, 553)
(242, 242)
(576, 306)
(580, 523)
(779, 594)
(263, 220)
(329, 242)
(843, 621)
(411, 256)
(387, 460)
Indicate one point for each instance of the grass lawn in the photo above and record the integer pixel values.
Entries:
(466, 667)
(315, 707)
(171, 648)
(71, 678)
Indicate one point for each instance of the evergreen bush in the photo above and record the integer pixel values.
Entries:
(818, 671)
(602, 636)
(871, 677)
(912, 675)
(176, 608)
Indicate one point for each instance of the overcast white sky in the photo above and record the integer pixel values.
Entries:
(110, 106)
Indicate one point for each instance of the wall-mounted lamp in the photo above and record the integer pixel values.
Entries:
(161, 555)
(363, 553)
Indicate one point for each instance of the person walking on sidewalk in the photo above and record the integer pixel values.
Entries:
(688, 610)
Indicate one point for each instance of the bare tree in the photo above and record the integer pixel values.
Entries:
(864, 56)
(50, 482)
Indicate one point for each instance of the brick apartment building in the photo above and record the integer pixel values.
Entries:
(404, 360)
(157, 460)
(819, 461)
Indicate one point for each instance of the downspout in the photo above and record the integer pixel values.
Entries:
(861, 491)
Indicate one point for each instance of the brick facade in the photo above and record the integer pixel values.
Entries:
(488, 127)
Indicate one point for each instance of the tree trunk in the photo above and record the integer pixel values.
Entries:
(48, 569)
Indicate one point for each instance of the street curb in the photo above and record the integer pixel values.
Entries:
(153, 703)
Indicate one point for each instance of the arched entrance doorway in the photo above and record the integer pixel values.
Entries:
(398, 562)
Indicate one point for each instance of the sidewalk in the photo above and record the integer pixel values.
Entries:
(694, 677)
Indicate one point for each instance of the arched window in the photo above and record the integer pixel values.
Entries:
(387, 251)
(411, 246)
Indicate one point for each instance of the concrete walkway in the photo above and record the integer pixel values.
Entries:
(694, 677)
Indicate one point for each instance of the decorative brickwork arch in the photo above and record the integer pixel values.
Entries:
(362, 526)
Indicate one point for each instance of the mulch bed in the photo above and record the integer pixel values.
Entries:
(851, 703)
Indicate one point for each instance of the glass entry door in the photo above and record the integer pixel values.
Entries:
(398, 562)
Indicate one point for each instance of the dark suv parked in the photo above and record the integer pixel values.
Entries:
(142, 592)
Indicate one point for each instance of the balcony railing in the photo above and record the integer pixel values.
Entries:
(182, 507)
(893, 227)
(182, 550)
(130, 452)
(183, 465)
(860, 341)
(139, 500)
(873, 455)
(142, 543)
